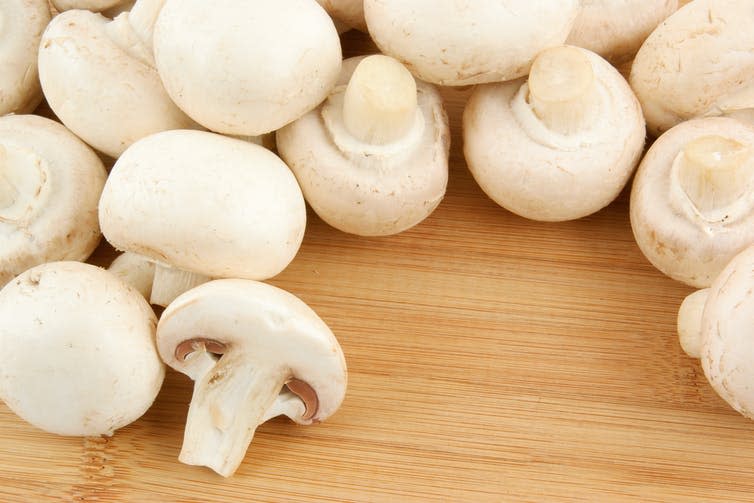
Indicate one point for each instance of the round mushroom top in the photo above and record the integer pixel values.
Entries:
(454, 43)
(675, 226)
(250, 67)
(204, 203)
(698, 63)
(260, 324)
(77, 350)
(50, 184)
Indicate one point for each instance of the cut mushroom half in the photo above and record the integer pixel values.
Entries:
(692, 202)
(373, 159)
(560, 146)
(254, 352)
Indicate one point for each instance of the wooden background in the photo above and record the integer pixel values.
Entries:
(491, 358)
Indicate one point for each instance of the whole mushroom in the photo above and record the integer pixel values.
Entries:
(373, 159)
(254, 352)
(559, 146)
(692, 202)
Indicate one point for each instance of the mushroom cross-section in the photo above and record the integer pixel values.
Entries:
(254, 352)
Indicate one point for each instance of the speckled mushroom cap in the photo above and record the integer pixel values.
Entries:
(21, 25)
(370, 190)
(454, 43)
(699, 62)
(543, 174)
(50, 184)
(681, 240)
(349, 12)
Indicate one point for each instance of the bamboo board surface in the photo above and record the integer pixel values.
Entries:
(491, 358)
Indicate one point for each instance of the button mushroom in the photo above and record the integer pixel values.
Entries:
(373, 159)
(77, 350)
(21, 25)
(98, 77)
(456, 43)
(692, 198)
(50, 184)
(698, 63)
(254, 352)
(202, 205)
(349, 12)
(560, 146)
(715, 325)
(238, 76)
(615, 29)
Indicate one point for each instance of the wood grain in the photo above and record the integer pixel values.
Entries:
(491, 359)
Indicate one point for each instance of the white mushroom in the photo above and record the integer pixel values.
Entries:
(716, 325)
(692, 202)
(98, 77)
(456, 43)
(77, 350)
(254, 352)
(246, 68)
(135, 270)
(50, 184)
(373, 159)
(348, 12)
(698, 63)
(21, 25)
(203, 205)
(615, 29)
(560, 146)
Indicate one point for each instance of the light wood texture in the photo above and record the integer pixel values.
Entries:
(491, 359)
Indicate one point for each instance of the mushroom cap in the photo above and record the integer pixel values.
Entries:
(204, 203)
(57, 181)
(21, 27)
(91, 5)
(370, 190)
(699, 62)
(456, 43)
(100, 91)
(350, 12)
(77, 350)
(271, 325)
(615, 29)
(727, 352)
(541, 174)
(673, 237)
(250, 67)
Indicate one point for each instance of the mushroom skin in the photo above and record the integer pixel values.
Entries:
(236, 77)
(254, 352)
(560, 146)
(50, 184)
(77, 349)
(371, 187)
(21, 25)
(348, 12)
(615, 29)
(91, 5)
(454, 43)
(691, 203)
(698, 63)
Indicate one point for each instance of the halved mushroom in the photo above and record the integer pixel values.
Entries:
(202, 205)
(373, 159)
(560, 146)
(246, 68)
(50, 184)
(77, 350)
(454, 43)
(254, 352)
(99, 78)
(348, 12)
(21, 25)
(698, 63)
(692, 202)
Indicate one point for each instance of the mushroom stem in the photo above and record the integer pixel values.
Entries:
(135, 270)
(715, 172)
(170, 282)
(563, 89)
(380, 102)
(132, 31)
(690, 322)
(143, 16)
(228, 404)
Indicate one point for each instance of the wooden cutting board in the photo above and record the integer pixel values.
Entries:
(491, 359)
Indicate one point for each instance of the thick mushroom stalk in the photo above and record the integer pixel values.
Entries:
(690, 322)
(132, 30)
(169, 282)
